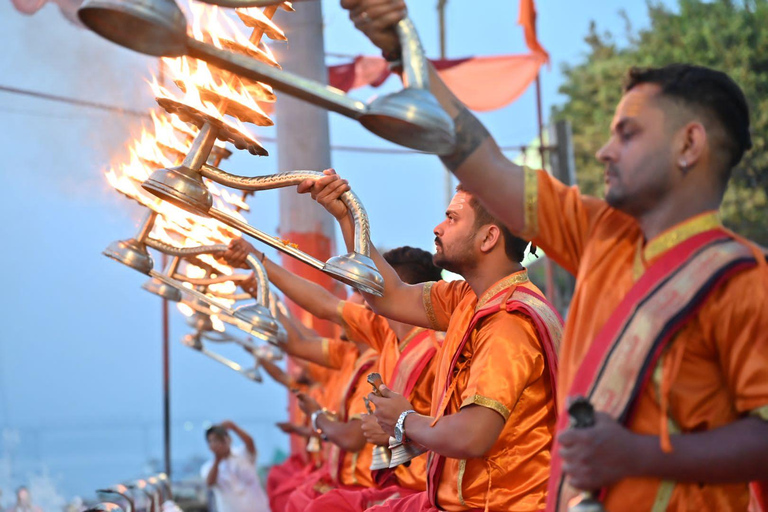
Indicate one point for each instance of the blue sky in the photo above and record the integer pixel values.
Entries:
(80, 343)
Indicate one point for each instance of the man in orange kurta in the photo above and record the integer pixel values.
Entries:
(347, 457)
(406, 362)
(342, 467)
(493, 387)
(697, 432)
(711, 375)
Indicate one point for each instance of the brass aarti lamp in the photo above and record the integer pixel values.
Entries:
(183, 186)
(152, 492)
(106, 506)
(122, 491)
(255, 319)
(161, 481)
(412, 117)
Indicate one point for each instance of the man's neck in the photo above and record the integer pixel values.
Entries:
(486, 275)
(361, 348)
(670, 213)
(400, 329)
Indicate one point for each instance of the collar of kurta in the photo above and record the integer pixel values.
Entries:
(648, 252)
(507, 282)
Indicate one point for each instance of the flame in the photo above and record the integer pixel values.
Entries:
(211, 24)
(185, 309)
(225, 98)
(254, 17)
(218, 325)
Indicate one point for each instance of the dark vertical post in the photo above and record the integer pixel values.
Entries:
(166, 386)
(166, 351)
(548, 269)
(448, 183)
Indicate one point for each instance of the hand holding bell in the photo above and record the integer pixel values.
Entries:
(582, 415)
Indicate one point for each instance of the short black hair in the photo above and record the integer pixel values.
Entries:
(513, 246)
(216, 430)
(413, 265)
(709, 92)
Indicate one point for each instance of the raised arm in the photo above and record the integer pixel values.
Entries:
(277, 374)
(303, 344)
(401, 301)
(308, 295)
(477, 161)
(242, 434)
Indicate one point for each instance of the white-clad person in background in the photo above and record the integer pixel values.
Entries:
(231, 474)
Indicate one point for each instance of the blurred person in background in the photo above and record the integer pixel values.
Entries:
(231, 474)
(24, 502)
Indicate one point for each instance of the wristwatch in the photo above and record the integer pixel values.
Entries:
(314, 422)
(400, 426)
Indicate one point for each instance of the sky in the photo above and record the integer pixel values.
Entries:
(80, 369)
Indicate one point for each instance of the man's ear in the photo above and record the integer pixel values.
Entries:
(694, 140)
(491, 237)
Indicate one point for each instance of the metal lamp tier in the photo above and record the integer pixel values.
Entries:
(255, 319)
(183, 186)
(202, 325)
(411, 117)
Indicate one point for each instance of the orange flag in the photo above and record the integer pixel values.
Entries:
(527, 18)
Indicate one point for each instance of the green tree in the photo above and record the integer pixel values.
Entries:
(722, 34)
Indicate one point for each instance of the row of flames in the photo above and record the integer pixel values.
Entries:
(216, 93)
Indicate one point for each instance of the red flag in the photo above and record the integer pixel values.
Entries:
(481, 83)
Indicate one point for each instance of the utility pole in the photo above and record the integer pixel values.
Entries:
(303, 142)
(448, 183)
(166, 351)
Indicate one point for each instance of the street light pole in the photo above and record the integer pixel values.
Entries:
(448, 183)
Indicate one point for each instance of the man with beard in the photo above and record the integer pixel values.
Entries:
(667, 334)
(406, 362)
(493, 409)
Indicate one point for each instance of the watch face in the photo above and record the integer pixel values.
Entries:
(399, 430)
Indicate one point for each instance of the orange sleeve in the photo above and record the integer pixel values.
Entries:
(740, 330)
(356, 406)
(335, 351)
(558, 218)
(317, 373)
(506, 358)
(440, 299)
(364, 325)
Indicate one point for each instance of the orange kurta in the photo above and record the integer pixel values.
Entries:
(366, 326)
(356, 469)
(716, 368)
(347, 359)
(502, 367)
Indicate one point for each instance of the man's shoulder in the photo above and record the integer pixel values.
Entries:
(746, 292)
(241, 454)
(206, 467)
(458, 289)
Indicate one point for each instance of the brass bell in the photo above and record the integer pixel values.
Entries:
(403, 453)
(381, 458)
(313, 445)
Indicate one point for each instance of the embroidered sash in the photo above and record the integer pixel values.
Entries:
(621, 359)
(410, 365)
(412, 362)
(549, 327)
